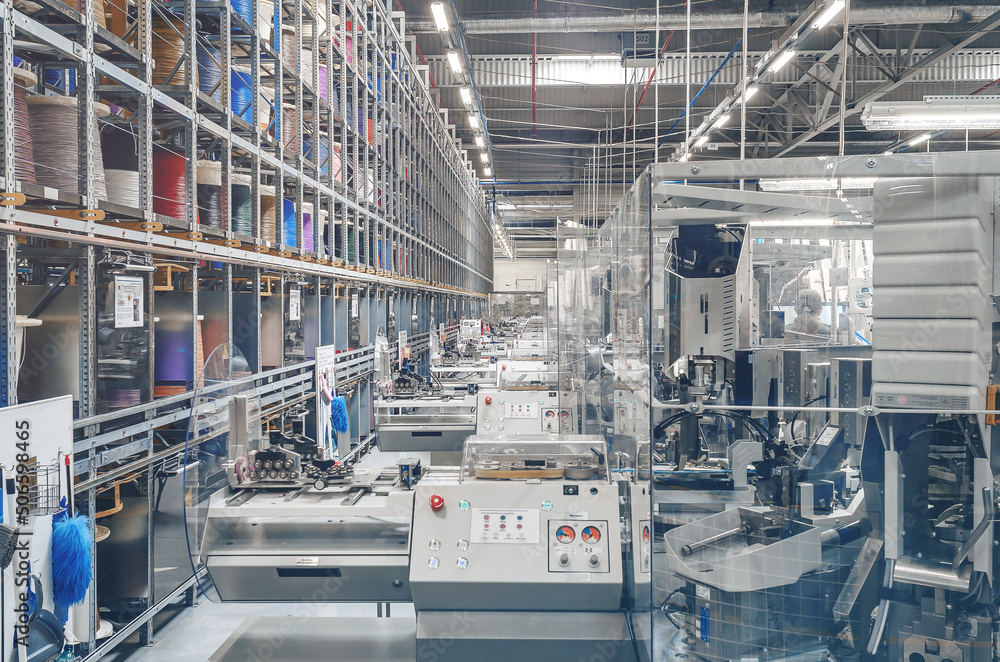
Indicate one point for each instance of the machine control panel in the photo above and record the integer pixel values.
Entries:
(515, 545)
(578, 546)
(510, 412)
(494, 526)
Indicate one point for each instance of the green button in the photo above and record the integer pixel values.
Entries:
(546, 506)
(463, 505)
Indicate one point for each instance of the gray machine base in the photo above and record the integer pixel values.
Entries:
(501, 636)
(316, 639)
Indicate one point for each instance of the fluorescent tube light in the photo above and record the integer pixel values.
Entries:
(440, 17)
(473, 121)
(466, 94)
(827, 15)
(455, 61)
(922, 138)
(480, 142)
(933, 114)
(781, 60)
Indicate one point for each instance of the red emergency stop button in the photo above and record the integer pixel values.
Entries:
(489, 400)
(503, 367)
(437, 502)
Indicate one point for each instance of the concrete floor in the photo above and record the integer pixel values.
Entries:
(196, 633)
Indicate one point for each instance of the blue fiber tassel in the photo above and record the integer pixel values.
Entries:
(339, 413)
(71, 572)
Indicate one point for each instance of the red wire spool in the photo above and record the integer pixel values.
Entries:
(169, 183)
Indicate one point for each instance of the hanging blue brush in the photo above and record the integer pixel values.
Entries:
(72, 540)
(338, 407)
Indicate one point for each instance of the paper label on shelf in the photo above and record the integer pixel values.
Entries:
(354, 305)
(295, 305)
(128, 302)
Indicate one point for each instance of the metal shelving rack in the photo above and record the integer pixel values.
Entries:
(406, 243)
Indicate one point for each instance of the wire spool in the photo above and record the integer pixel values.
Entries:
(289, 235)
(24, 155)
(267, 210)
(123, 187)
(265, 107)
(240, 96)
(243, 8)
(63, 80)
(169, 183)
(120, 145)
(289, 47)
(97, 10)
(288, 120)
(242, 207)
(265, 18)
(55, 143)
(310, 149)
(167, 51)
(307, 28)
(209, 71)
(307, 227)
(210, 194)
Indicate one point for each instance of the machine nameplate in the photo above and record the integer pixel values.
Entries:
(921, 401)
(505, 526)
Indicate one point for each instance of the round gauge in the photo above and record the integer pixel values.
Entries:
(565, 534)
(645, 533)
(591, 535)
(564, 414)
(549, 413)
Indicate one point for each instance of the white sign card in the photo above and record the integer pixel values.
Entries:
(295, 305)
(128, 302)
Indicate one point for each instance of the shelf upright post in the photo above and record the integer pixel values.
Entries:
(144, 119)
(8, 183)
(300, 111)
(279, 121)
(190, 133)
(225, 94)
(257, 112)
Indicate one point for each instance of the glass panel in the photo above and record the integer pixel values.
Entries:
(801, 361)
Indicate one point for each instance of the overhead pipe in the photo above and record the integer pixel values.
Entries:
(885, 15)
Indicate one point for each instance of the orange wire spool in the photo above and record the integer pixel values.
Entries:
(168, 49)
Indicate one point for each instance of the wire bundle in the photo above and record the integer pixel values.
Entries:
(240, 97)
(288, 222)
(210, 193)
(167, 51)
(289, 47)
(123, 187)
(242, 208)
(210, 71)
(97, 8)
(63, 80)
(243, 8)
(24, 156)
(120, 144)
(323, 162)
(169, 183)
(265, 18)
(288, 115)
(307, 227)
(55, 144)
(267, 211)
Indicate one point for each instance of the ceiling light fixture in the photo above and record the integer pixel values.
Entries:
(466, 95)
(473, 121)
(933, 113)
(721, 121)
(781, 60)
(701, 141)
(487, 172)
(455, 61)
(828, 14)
(440, 17)
(752, 90)
(484, 157)
(922, 138)
(480, 142)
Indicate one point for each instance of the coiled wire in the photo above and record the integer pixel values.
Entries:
(209, 71)
(288, 219)
(267, 211)
(123, 187)
(242, 207)
(169, 183)
(24, 164)
(55, 144)
(210, 194)
(167, 51)
(97, 8)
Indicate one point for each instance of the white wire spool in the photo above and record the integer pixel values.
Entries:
(123, 187)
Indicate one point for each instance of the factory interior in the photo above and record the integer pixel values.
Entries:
(590, 330)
